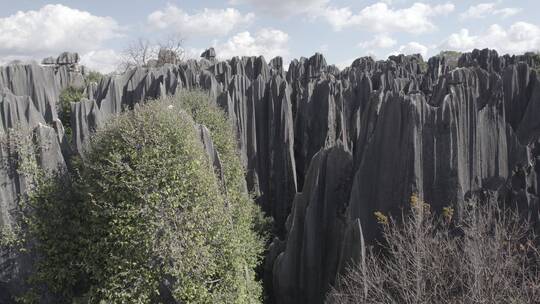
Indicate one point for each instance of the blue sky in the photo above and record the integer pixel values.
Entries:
(342, 30)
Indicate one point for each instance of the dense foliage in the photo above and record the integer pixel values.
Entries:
(93, 76)
(68, 96)
(480, 253)
(144, 219)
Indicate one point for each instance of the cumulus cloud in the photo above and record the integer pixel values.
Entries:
(283, 7)
(206, 22)
(104, 61)
(379, 17)
(483, 10)
(381, 41)
(193, 53)
(412, 48)
(5, 60)
(52, 29)
(267, 42)
(520, 37)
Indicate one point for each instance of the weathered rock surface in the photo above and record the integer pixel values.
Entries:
(442, 134)
(209, 54)
(68, 58)
(323, 148)
(315, 229)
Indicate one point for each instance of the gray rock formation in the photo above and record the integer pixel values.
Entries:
(67, 58)
(462, 130)
(48, 61)
(209, 54)
(315, 229)
(323, 148)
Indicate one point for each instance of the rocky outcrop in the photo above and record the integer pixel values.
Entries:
(209, 54)
(323, 148)
(86, 117)
(460, 131)
(67, 58)
(211, 151)
(315, 229)
(275, 168)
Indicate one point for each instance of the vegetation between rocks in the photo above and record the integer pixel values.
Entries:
(142, 217)
(480, 253)
(68, 96)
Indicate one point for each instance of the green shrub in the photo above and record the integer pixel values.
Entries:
(68, 96)
(18, 161)
(93, 76)
(214, 118)
(142, 218)
(450, 54)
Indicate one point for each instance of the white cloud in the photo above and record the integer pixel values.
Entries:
(520, 37)
(412, 48)
(381, 41)
(379, 17)
(508, 11)
(461, 41)
(283, 7)
(483, 10)
(193, 53)
(323, 48)
(205, 22)
(104, 61)
(52, 29)
(267, 42)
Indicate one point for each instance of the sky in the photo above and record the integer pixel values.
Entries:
(342, 30)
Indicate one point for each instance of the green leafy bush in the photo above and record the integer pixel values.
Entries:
(93, 76)
(68, 96)
(18, 161)
(215, 119)
(143, 218)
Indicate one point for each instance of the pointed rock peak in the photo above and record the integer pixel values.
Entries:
(260, 60)
(486, 59)
(317, 61)
(277, 62)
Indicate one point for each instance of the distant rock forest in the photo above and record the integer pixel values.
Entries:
(249, 181)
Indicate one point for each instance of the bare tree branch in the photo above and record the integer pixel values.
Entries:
(484, 254)
(145, 53)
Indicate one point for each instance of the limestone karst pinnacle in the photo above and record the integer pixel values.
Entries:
(323, 148)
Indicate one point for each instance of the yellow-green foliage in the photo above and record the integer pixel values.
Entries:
(143, 216)
(381, 218)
